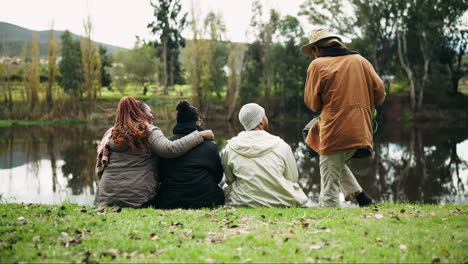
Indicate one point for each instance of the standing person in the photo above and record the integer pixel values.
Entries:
(191, 180)
(344, 87)
(128, 156)
(260, 168)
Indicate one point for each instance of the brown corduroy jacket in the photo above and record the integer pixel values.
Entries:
(344, 89)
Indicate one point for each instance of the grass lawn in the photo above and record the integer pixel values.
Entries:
(385, 233)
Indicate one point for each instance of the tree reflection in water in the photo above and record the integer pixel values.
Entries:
(72, 145)
(419, 164)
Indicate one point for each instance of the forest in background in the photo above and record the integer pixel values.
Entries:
(417, 47)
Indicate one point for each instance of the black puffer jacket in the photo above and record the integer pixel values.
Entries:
(191, 180)
(130, 179)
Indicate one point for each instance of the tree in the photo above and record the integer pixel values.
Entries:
(194, 56)
(370, 24)
(331, 14)
(454, 49)
(235, 63)
(414, 34)
(53, 68)
(106, 64)
(139, 65)
(34, 74)
(96, 72)
(90, 62)
(25, 69)
(70, 65)
(252, 69)
(5, 74)
(376, 20)
(118, 72)
(135, 65)
(168, 26)
(265, 31)
(289, 64)
(420, 33)
(214, 77)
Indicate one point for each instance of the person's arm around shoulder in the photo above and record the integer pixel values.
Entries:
(217, 166)
(166, 148)
(313, 89)
(291, 173)
(378, 86)
(230, 178)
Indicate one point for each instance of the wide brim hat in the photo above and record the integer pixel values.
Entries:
(318, 35)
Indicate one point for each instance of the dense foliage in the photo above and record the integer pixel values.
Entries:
(417, 47)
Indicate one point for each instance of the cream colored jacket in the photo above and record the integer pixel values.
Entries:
(260, 170)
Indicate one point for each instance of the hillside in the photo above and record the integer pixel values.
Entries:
(16, 35)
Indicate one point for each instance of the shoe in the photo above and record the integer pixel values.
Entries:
(364, 200)
(351, 196)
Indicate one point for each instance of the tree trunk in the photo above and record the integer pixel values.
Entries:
(457, 72)
(171, 71)
(164, 66)
(427, 63)
(53, 161)
(8, 86)
(49, 93)
(235, 87)
(235, 62)
(8, 92)
(35, 71)
(421, 167)
(402, 53)
(200, 95)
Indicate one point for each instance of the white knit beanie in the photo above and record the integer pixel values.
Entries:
(250, 115)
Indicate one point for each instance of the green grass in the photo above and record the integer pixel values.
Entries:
(385, 233)
(7, 123)
(136, 91)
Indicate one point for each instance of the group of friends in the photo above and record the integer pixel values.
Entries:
(139, 167)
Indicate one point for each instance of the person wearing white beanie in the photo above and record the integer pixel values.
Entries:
(250, 115)
(260, 168)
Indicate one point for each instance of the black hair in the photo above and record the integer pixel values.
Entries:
(187, 112)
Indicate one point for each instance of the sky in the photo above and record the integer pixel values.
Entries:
(117, 22)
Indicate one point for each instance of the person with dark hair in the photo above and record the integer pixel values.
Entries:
(128, 156)
(191, 180)
(345, 88)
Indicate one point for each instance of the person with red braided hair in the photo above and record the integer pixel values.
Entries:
(128, 156)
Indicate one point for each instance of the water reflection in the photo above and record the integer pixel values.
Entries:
(49, 164)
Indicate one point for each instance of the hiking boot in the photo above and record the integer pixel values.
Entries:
(364, 200)
(351, 196)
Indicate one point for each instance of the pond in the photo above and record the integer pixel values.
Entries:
(426, 163)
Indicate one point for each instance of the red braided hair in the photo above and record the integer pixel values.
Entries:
(130, 126)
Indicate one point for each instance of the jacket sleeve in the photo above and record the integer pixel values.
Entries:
(378, 87)
(165, 148)
(230, 178)
(291, 172)
(215, 163)
(313, 89)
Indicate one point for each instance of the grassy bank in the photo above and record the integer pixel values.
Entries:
(387, 233)
(7, 123)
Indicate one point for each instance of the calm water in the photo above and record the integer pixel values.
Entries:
(426, 164)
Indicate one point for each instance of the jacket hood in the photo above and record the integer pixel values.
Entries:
(253, 144)
(186, 128)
